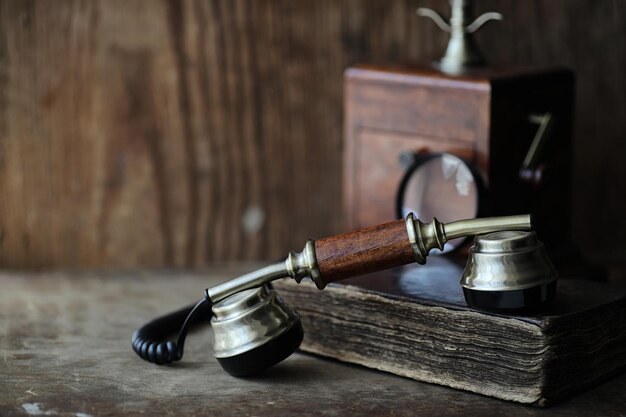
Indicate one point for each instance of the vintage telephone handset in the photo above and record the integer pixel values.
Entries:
(254, 329)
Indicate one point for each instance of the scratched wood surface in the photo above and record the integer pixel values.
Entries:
(151, 133)
(65, 351)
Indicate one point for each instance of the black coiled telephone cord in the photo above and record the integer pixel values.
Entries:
(150, 340)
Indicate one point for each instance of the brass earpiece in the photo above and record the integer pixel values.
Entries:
(253, 330)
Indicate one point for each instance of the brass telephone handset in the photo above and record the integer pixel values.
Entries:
(507, 270)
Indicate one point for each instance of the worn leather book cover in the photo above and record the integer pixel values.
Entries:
(414, 322)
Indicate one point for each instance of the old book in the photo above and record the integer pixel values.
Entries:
(414, 322)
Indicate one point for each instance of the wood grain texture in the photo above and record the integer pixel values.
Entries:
(364, 250)
(65, 350)
(175, 133)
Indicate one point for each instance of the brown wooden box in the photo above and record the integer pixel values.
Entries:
(482, 117)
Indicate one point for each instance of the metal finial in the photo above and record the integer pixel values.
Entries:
(462, 51)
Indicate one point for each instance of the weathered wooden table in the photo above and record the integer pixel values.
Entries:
(65, 351)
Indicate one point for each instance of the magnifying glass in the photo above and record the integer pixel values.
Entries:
(444, 185)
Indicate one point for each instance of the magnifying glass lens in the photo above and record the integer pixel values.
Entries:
(443, 186)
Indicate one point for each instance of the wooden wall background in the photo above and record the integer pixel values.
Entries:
(151, 133)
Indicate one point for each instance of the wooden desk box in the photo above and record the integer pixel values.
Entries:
(482, 117)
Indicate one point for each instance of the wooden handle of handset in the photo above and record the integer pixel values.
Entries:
(364, 250)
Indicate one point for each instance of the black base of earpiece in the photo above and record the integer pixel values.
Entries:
(266, 355)
(526, 300)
